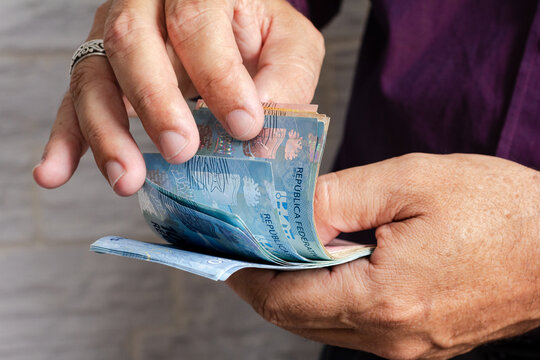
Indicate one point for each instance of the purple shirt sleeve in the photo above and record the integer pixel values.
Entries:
(320, 12)
(300, 5)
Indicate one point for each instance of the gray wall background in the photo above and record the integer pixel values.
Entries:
(58, 300)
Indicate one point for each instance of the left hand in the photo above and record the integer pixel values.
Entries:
(457, 261)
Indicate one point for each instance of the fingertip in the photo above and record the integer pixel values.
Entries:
(178, 147)
(40, 177)
(128, 184)
(186, 154)
(51, 174)
(126, 177)
(244, 125)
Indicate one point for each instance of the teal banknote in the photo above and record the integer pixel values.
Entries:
(189, 228)
(239, 204)
(291, 144)
(241, 188)
(212, 266)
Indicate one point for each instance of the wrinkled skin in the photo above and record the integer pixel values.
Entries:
(235, 54)
(457, 262)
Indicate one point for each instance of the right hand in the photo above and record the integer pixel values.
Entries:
(235, 54)
(456, 263)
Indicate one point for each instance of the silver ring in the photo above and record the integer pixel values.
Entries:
(89, 48)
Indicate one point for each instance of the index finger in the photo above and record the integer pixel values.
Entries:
(135, 45)
(201, 33)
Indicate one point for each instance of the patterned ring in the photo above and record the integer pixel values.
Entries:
(89, 48)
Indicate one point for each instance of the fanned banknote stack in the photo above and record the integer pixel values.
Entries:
(239, 204)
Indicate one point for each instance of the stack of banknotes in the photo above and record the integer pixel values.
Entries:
(239, 204)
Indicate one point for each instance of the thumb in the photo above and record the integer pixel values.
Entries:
(359, 198)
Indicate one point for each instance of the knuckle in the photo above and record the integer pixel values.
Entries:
(119, 29)
(96, 137)
(418, 162)
(267, 306)
(395, 312)
(421, 183)
(384, 234)
(404, 350)
(87, 77)
(442, 341)
(147, 97)
(322, 200)
(187, 18)
(222, 76)
(82, 79)
(322, 191)
(414, 170)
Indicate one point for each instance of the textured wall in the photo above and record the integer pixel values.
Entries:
(58, 300)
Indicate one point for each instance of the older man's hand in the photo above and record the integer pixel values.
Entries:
(457, 261)
(234, 53)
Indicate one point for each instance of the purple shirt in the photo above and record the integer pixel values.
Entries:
(443, 77)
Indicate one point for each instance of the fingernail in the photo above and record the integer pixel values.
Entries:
(38, 164)
(171, 144)
(240, 123)
(115, 171)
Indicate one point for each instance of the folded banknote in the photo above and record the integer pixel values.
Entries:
(239, 204)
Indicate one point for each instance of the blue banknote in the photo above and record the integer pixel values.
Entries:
(293, 146)
(237, 188)
(206, 265)
(238, 204)
(191, 229)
